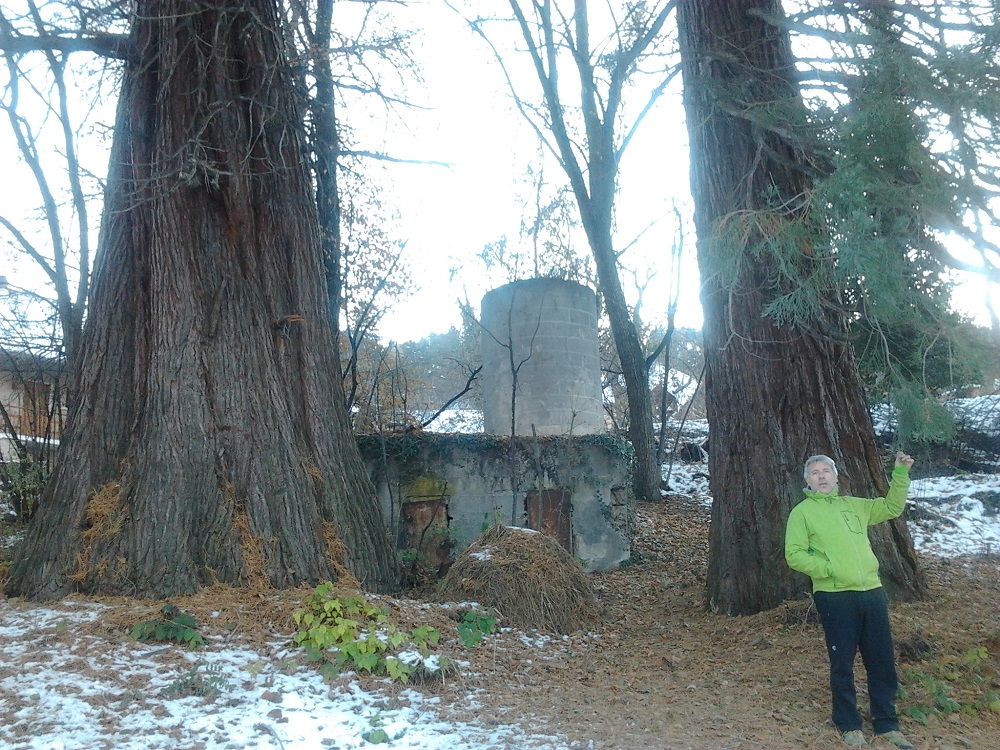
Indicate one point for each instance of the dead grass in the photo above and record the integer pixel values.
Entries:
(662, 673)
(103, 520)
(525, 576)
(252, 552)
(335, 555)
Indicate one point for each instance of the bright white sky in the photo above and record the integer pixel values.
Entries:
(450, 214)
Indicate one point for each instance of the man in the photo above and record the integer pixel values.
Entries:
(827, 539)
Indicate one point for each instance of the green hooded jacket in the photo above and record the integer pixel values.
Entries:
(827, 535)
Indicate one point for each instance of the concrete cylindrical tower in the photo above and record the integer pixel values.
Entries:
(546, 331)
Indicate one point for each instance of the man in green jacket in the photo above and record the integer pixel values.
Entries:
(827, 539)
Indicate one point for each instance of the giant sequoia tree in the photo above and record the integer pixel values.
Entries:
(778, 388)
(209, 441)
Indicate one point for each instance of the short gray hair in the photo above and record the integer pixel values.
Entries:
(815, 460)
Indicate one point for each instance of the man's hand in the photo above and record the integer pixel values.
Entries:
(902, 459)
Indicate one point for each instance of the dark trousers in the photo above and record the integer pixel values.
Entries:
(853, 621)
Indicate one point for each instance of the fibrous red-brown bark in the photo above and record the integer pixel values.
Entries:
(774, 394)
(209, 439)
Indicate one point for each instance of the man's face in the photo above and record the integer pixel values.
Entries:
(820, 477)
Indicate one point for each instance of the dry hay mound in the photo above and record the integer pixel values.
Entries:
(527, 577)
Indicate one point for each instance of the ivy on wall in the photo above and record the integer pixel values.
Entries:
(556, 457)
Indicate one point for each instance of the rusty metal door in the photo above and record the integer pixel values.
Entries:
(549, 511)
(424, 528)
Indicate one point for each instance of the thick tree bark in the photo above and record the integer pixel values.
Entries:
(209, 439)
(774, 394)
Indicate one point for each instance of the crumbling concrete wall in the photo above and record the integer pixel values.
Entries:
(440, 492)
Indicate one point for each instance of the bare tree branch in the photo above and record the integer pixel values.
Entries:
(114, 46)
(473, 374)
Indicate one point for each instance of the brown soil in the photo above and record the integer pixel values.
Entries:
(663, 673)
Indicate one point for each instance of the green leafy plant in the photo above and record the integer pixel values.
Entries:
(204, 680)
(351, 633)
(496, 520)
(408, 556)
(952, 684)
(474, 625)
(175, 625)
(21, 484)
(377, 734)
(254, 668)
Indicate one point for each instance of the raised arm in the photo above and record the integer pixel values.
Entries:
(894, 502)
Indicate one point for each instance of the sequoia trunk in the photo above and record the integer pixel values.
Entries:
(209, 440)
(774, 394)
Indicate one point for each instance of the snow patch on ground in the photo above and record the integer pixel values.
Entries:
(92, 693)
(950, 516)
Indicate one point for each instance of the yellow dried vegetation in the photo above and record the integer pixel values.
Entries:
(104, 519)
(336, 554)
(525, 576)
(252, 552)
(312, 470)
